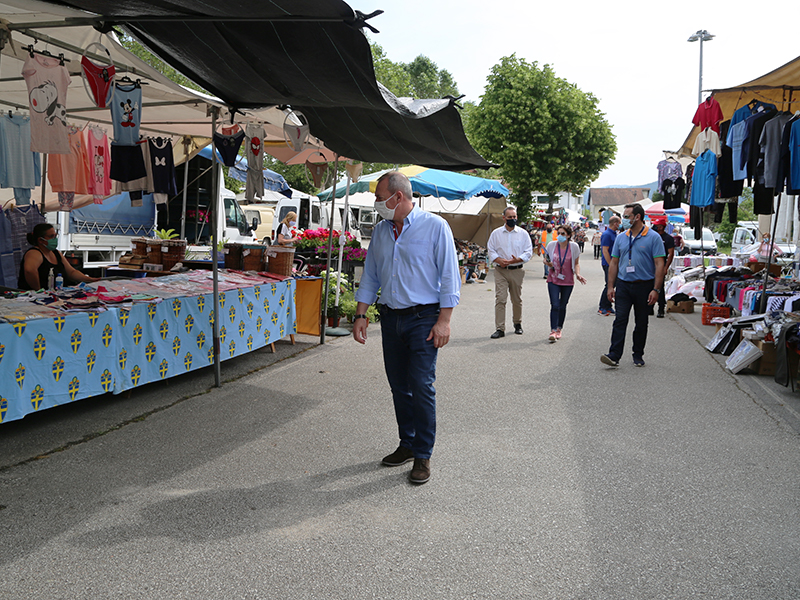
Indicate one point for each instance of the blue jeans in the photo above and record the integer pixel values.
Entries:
(631, 295)
(559, 296)
(604, 303)
(410, 363)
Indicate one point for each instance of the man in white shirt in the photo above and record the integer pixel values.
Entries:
(509, 249)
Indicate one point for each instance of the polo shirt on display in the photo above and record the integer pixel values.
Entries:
(636, 254)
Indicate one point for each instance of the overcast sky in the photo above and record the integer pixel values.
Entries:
(632, 55)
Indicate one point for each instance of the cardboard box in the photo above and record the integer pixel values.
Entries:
(768, 362)
(680, 307)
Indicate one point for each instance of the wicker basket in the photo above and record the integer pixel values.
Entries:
(281, 260)
(253, 257)
(233, 256)
(154, 251)
(175, 252)
(139, 246)
(711, 311)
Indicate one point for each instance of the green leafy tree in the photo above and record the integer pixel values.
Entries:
(547, 135)
(391, 74)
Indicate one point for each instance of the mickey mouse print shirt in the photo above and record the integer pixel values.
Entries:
(47, 81)
(126, 114)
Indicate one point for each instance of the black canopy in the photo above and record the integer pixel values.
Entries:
(308, 54)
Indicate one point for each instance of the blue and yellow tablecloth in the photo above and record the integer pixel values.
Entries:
(52, 361)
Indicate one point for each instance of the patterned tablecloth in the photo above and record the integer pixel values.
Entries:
(52, 358)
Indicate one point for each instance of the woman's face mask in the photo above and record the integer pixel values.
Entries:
(292, 223)
(52, 243)
(562, 238)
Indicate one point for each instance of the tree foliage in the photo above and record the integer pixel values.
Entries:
(421, 78)
(547, 134)
(745, 213)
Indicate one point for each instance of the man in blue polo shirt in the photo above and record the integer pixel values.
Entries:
(635, 277)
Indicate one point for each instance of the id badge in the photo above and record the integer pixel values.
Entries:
(630, 269)
(560, 276)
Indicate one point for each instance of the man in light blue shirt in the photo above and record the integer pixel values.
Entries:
(412, 262)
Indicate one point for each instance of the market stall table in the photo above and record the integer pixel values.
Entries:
(161, 328)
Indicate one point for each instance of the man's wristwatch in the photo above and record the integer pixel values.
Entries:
(360, 317)
(657, 291)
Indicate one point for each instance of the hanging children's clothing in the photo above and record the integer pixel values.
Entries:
(99, 164)
(126, 114)
(19, 167)
(254, 187)
(47, 81)
(163, 169)
(69, 173)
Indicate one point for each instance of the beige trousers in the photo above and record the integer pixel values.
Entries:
(507, 282)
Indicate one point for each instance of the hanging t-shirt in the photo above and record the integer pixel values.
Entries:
(708, 139)
(673, 192)
(99, 164)
(735, 140)
(668, 169)
(126, 114)
(47, 81)
(708, 114)
(19, 167)
(163, 166)
(228, 147)
(70, 172)
(254, 187)
(704, 179)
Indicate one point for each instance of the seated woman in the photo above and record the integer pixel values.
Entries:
(43, 258)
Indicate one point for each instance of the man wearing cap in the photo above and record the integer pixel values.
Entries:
(660, 225)
(509, 249)
(635, 278)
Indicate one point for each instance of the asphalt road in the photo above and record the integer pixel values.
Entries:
(553, 476)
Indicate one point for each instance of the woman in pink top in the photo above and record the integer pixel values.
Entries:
(562, 259)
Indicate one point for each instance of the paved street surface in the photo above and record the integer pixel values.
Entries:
(553, 476)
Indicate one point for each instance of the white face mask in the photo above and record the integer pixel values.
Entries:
(385, 213)
(292, 223)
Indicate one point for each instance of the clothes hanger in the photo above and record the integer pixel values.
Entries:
(60, 57)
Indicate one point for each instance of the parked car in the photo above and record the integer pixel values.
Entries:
(693, 245)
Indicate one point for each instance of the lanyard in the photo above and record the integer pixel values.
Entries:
(561, 264)
(631, 243)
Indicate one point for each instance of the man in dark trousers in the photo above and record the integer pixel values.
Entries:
(412, 261)
(606, 244)
(660, 225)
(635, 278)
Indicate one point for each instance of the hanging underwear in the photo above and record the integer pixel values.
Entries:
(228, 147)
(100, 80)
(317, 171)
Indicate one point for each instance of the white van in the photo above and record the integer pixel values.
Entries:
(311, 214)
(260, 217)
(746, 233)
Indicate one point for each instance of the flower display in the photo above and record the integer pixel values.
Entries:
(313, 238)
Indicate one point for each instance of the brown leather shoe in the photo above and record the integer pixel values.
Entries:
(421, 471)
(399, 457)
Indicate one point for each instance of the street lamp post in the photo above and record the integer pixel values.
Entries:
(701, 36)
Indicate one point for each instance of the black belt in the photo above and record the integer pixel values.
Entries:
(411, 310)
(511, 267)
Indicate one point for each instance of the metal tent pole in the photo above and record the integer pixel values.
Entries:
(214, 201)
(342, 238)
(330, 249)
(186, 142)
(762, 301)
(44, 178)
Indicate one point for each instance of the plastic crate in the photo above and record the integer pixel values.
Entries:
(712, 310)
